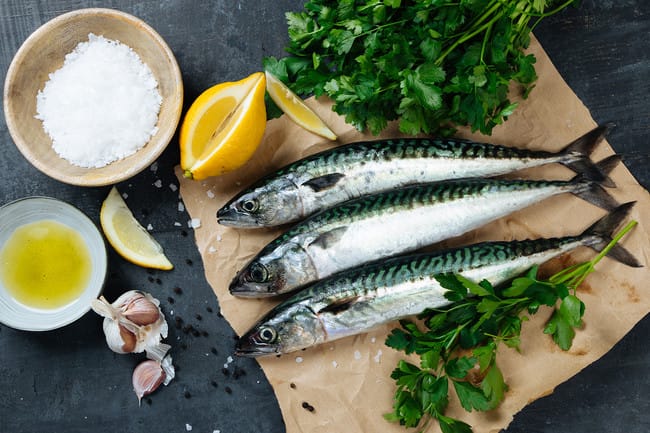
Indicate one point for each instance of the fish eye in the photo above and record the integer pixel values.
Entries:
(267, 334)
(250, 205)
(258, 273)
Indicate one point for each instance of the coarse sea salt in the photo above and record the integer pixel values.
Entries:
(101, 106)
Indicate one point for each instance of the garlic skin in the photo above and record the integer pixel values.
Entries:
(134, 323)
(150, 374)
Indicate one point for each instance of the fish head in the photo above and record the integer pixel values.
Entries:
(271, 204)
(287, 328)
(285, 269)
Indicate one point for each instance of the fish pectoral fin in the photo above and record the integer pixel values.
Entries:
(341, 304)
(327, 239)
(324, 182)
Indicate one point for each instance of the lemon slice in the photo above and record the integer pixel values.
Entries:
(128, 237)
(223, 127)
(295, 108)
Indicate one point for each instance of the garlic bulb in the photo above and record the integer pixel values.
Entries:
(148, 376)
(133, 324)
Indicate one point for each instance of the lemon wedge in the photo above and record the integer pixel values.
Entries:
(128, 237)
(295, 108)
(223, 127)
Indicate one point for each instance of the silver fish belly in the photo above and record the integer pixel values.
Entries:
(328, 178)
(391, 223)
(358, 300)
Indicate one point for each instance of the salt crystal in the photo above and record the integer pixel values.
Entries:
(101, 106)
(357, 354)
(335, 364)
(149, 227)
(210, 193)
(373, 339)
(188, 427)
(158, 183)
(377, 357)
(177, 224)
(219, 238)
(181, 206)
(194, 223)
(299, 359)
(212, 249)
(154, 167)
(173, 187)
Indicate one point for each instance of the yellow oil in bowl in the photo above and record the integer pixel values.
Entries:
(45, 264)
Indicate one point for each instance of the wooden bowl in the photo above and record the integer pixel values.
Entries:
(43, 53)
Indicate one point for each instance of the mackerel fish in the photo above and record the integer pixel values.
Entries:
(358, 300)
(331, 177)
(395, 222)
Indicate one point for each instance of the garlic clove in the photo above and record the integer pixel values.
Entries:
(147, 377)
(119, 338)
(140, 310)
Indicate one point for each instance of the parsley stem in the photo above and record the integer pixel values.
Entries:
(576, 274)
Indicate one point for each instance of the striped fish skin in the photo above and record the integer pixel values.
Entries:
(350, 171)
(361, 299)
(391, 223)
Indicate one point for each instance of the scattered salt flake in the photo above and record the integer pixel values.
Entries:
(216, 431)
(195, 223)
(158, 183)
(212, 249)
(125, 195)
(173, 187)
(357, 354)
(219, 238)
(181, 206)
(154, 167)
(373, 339)
(377, 357)
(210, 193)
(149, 227)
(188, 427)
(229, 359)
(299, 359)
(177, 224)
(335, 364)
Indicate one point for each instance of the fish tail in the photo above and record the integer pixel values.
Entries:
(592, 191)
(576, 155)
(599, 235)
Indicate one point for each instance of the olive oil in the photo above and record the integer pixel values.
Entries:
(45, 264)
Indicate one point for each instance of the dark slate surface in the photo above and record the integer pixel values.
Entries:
(68, 381)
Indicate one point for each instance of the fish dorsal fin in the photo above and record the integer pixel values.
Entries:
(327, 239)
(324, 182)
(341, 304)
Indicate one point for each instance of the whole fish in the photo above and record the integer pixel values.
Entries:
(331, 177)
(392, 223)
(358, 300)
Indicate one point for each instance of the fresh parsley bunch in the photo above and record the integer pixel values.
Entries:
(458, 345)
(432, 64)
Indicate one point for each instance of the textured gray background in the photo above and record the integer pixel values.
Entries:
(68, 381)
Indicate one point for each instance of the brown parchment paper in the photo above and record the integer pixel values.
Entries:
(347, 381)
